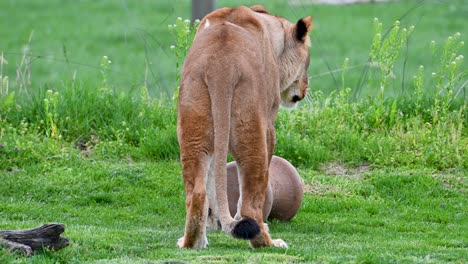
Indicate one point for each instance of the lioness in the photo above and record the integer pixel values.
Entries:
(243, 63)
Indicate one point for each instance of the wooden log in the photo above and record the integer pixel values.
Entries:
(17, 247)
(43, 237)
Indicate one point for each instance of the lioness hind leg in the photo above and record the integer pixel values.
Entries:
(251, 154)
(264, 238)
(253, 161)
(253, 197)
(194, 133)
(196, 203)
(213, 222)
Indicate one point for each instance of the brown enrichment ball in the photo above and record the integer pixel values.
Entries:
(284, 193)
(286, 185)
(233, 192)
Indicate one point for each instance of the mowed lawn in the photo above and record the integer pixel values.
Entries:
(133, 212)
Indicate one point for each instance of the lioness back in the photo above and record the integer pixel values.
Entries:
(230, 43)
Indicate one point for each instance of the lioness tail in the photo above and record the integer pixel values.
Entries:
(220, 89)
(246, 229)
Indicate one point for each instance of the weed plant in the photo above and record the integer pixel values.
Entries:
(425, 129)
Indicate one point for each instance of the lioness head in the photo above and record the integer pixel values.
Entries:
(294, 78)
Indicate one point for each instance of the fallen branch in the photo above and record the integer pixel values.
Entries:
(30, 240)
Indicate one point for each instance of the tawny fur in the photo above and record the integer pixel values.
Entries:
(242, 65)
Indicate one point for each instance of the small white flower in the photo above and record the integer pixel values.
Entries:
(172, 47)
(187, 21)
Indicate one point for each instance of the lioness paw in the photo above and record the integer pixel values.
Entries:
(279, 243)
(180, 242)
(202, 243)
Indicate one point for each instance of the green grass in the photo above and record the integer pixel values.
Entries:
(93, 145)
(375, 192)
(69, 38)
(119, 211)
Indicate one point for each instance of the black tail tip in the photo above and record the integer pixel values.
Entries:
(246, 229)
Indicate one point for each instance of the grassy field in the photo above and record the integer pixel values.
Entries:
(120, 211)
(68, 39)
(93, 144)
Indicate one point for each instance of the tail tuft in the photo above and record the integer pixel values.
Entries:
(246, 229)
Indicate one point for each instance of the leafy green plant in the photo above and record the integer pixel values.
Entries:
(385, 50)
(343, 72)
(448, 78)
(383, 54)
(419, 90)
(105, 64)
(7, 98)
(423, 129)
(183, 32)
(51, 101)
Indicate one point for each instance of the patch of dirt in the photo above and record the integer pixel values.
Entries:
(451, 181)
(15, 170)
(337, 169)
(86, 145)
(317, 189)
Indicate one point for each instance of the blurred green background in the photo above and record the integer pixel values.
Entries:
(65, 39)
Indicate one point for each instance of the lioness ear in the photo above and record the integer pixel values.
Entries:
(259, 9)
(303, 26)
